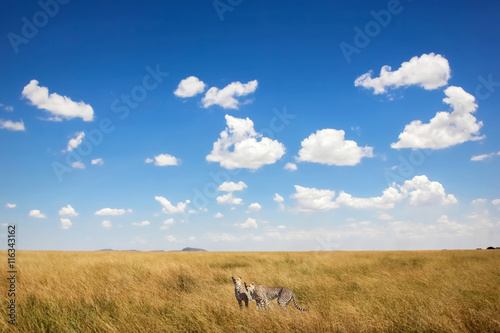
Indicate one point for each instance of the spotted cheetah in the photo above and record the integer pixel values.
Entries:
(240, 292)
(263, 295)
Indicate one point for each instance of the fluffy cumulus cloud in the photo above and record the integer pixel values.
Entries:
(167, 223)
(189, 87)
(218, 215)
(290, 166)
(170, 238)
(225, 97)
(496, 202)
(484, 156)
(445, 129)
(97, 161)
(65, 223)
(68, 211)
(232, 186)
(10, 205)
(12, 125)
(254, 207)
(106, 224)
(430, 71)
(141, 224)
(78, 165)
(168, 208)
(60, 107)
(250, 223)
(420, 191)
(76, 141)
(163, 160)
(239, 146)
(389, 198)
(229, 199)
(312, 199)
(112, 211)
(328, 146)
(37, 214)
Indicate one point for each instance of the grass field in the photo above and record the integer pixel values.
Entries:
(428, 291)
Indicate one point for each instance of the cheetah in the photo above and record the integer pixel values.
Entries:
(263, 295)
(240, 292)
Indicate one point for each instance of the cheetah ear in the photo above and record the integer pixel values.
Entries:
(241, 277)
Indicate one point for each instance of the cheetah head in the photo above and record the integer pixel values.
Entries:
(236, 280)
(249, 287)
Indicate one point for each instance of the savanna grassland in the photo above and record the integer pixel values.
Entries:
(427, 291)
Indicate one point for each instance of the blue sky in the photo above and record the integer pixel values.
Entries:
(239, 125)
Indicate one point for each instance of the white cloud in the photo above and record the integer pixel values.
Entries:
(422, 191)
(229, 199)
(389, 198)
(254, 207)
(106, 224)
(225, 97)
(112, 211)
(312, 199)
(250, 223)
(7, 108)
(290, 166)
(239, 147)
(60, 107)
(76, 141)
(141, 224)
(384, 217)
(163, 160)
(445, 129)
(10, 205)
(231, 186)
(167, 223)
(218, 215)
(189, 87)
(97, 161)
(12, 126)
(65, 223)
(478, 201)
(281, 227)
(278, 198)
(430, 71)
(37, 214)
(484, 156)
(170, 238)
(78, 165)
(328, 146)
(68, 211)
(168, 208)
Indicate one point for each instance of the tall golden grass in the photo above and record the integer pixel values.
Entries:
(428, 291)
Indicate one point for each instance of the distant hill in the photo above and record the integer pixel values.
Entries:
(184, 249)
(192, 249)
